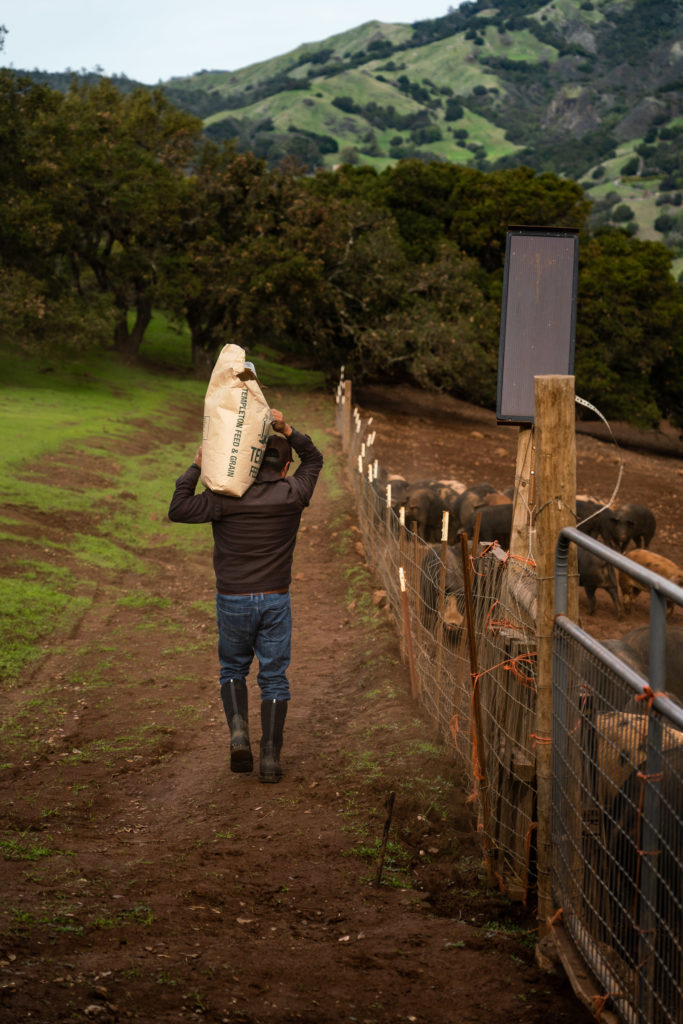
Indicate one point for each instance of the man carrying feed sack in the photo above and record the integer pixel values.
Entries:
(254, 537)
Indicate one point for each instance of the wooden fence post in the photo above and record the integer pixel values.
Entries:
(523, 496)
(346, 416)
(441, 602)
(555, 500)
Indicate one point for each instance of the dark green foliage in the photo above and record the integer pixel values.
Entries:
(116, 203)
(324, 143)
(454, 110)
(665, 222)
(346, 104)
(629, 364)
(631, 166)
(622, 212)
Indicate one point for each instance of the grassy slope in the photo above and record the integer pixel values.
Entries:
(453, 62)
(50, 410)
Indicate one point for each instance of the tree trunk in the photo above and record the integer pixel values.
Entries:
(202, 360)
(128, 342)
(204, 333)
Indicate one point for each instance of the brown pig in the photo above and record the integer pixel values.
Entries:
(630, 588)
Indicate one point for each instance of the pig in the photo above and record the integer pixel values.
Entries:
(588, 516)
(496, 524)
(634, 649)
(454, 591)
(399, 489)
(630, 588)
(596, 573)
(425, 507)
(426, 503)
(495, 498)
(625, 523)
(466, 503)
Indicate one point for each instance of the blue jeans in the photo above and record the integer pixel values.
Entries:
(255, 624)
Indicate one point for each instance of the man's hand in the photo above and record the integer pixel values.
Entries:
(198, 457)
(279, 423)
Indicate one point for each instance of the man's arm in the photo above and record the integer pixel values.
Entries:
(307, 473)
(186, 506)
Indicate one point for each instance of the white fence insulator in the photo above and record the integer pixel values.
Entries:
(444, 526)
(402, 578)
(388, 495)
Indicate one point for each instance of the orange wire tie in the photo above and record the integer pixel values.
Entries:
(521, 659)
(509, 665)
(556, 916)
(585, 691)
(539, 739)
(599, 1003)
(475, 572)
(488, 617)
(649, 695)
(653, 777)
(522, 559)
(481, 554)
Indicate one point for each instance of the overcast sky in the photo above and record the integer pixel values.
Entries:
(154, 40)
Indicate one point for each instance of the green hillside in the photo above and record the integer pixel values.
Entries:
(589, 89)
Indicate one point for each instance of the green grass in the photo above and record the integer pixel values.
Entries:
(92, 521)
(140, 599)
(274, 370)
(105, 554)
(21, 846)
(110, 751)
(31, 611)
(167, 344)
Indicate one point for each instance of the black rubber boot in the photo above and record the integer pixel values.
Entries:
(236, 704)
(273, 714)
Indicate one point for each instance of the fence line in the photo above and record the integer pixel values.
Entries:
(481, 696)
(467, 625)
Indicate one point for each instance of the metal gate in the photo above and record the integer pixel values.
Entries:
(617, 799)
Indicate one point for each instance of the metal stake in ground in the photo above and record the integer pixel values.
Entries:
(387, 825)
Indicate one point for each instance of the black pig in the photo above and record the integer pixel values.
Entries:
(595, 573)
(627, 523)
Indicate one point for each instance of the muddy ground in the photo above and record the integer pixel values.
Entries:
(142, 881)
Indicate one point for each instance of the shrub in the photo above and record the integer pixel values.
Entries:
(664, 223)
(622, 213)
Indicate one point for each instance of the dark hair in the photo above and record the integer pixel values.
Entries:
(277, 454)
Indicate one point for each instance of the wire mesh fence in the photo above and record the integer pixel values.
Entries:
(474, 674)
(617, 827)
(466, 616)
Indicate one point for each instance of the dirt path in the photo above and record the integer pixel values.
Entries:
(143, 881)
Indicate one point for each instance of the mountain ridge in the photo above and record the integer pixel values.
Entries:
(587, 89)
